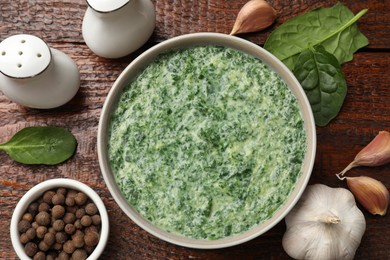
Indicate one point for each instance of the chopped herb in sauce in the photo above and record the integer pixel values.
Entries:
(207, 142)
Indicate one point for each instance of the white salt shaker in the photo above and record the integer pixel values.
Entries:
(116, 28)
(35, 75)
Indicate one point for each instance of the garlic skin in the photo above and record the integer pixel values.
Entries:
(254, 16)
(324, 224)
(376, 153)
(370, 193)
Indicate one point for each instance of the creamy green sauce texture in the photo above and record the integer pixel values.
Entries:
(207, 142)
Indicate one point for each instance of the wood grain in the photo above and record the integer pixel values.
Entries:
(365, 112)
(173, 18)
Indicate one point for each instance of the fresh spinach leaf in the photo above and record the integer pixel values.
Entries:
(41, 145)
(321, 77)
(334, 28)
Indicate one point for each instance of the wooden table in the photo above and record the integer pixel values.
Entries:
(365, 112)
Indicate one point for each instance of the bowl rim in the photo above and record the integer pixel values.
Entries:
(201, 39)
(38, 190)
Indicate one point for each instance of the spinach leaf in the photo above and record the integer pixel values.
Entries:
(41, 145)
(334, 28)
(321, 77)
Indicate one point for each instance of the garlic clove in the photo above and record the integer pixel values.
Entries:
(254, 16)
(370, 193)
(376, 153)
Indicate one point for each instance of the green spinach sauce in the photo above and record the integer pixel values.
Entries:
(207, 142)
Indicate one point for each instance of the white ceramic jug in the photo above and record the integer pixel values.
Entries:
(116, 28)
(35, 75)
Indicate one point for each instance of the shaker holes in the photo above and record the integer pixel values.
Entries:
(39, 55)
(23, 41)
(19, 65)
(20, 52)
(3, 53)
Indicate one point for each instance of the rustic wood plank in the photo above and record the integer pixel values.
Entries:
(174, 17)
(365, 112)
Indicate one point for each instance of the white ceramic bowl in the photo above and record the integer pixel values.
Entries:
(37, 191)
(201, 39)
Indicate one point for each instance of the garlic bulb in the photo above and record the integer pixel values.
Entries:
(325, 224)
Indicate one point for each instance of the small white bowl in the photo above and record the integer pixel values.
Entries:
(37, 191)
(204, 39)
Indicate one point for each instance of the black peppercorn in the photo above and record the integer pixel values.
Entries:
(62, 191)
(40, 256)
(91, 238)
(79, 254)
(80, 213)
(47, 196)
(23, 226)
(57, 211)
(72, 209)
(96, 220)
(77, 224)
(33, 208)
(86, 221)
(69, 218)
(91, 209)
(50, 257)
(57, 246)
(63, 256)
(69, 247)
(31, 233)
(31, 249)
(43, 218)
(78, 239)
(35, 225)
(24, 238)
(52, 230)
(69, 201)
(61, 237)
(91, 229)
(43, 246)
(69, 229)
(61, 224)
(43, 207)
(41, 231)
(58, 225)
(49, 238)
(28, 217)
(80, 198)
(72, 193)
(58, 199)
(89, 249)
